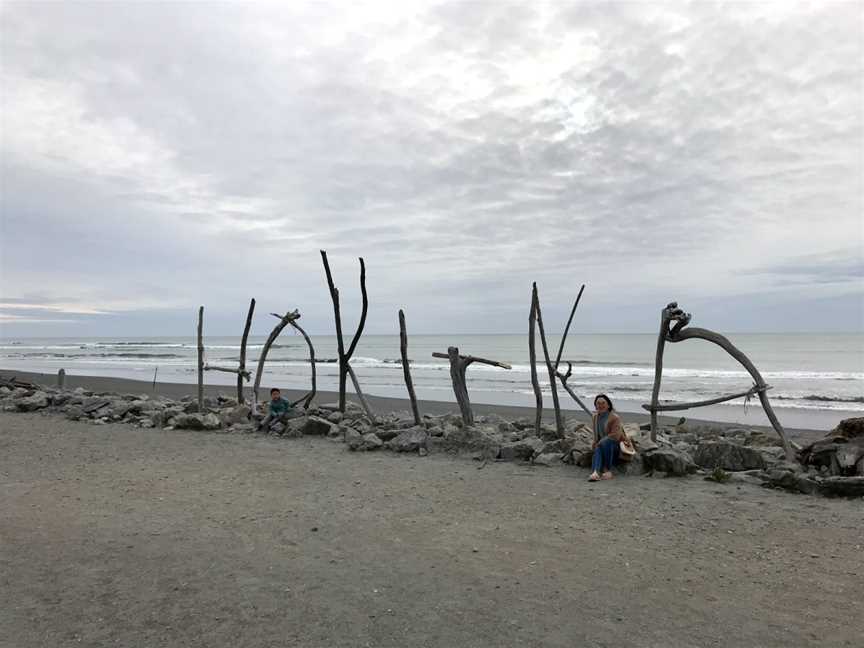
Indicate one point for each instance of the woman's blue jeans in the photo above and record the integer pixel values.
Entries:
(605, 455)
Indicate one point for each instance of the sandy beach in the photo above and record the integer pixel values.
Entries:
(120, 536)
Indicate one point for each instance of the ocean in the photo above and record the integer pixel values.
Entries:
(817, 379)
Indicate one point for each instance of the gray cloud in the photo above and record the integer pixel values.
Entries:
(160, 156)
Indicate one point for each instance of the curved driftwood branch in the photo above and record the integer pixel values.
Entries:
(201, 359)
(532, 359)
(307, 399)
(242, 373)
(567, 328)
(563, 378)
(559, 422)
(406, 370)
(679, 334)
(672, 407)
(337, 315)
(284, 320)
(363, 311)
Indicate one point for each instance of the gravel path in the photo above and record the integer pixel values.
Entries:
(112, 535)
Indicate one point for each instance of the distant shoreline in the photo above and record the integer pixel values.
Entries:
(380, 404)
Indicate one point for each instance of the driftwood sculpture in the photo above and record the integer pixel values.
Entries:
(677, 332)
(406, 370)
(458, 365)
(201, 359)
(345, 356)
(287, 319)
(241, 372)
(537, 316)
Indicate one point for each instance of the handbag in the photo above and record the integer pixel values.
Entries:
(626, 449)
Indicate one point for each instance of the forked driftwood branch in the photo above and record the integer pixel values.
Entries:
(406, 370)
(559, 422)
(677, 332)
(345, 356)
(458, 365)
(563, 378)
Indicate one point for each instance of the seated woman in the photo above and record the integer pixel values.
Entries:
(608, 434)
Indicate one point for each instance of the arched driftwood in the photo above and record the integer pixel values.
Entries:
(284, 320)
(678, 333)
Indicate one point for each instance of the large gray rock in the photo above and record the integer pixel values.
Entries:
(236, 415)
(353, 439)
(728, 456)
(370, 442)
(842, 486)
(316, 426)
(410, 440)
(37, 401)
(548, 459)
(672, 462)
(524, 449)
(189, 422)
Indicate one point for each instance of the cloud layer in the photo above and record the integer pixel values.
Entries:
(155, 157)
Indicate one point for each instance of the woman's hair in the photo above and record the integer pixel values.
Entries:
(606, 398)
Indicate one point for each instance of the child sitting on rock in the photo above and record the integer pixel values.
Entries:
(279, 412)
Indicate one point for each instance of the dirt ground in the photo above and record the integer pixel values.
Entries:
(117, 536)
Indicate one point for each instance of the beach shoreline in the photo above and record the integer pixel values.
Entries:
(381, 404)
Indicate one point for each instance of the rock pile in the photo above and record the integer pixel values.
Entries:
(831, 466)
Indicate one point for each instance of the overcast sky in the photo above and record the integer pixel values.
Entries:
(156, 157)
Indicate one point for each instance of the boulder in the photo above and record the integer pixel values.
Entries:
(370, 442)
(316, 426)
(669, 461)
(524, 449)
(74, 412)
(410, 440)
(37, 401)
(353, 439)
(189, 422)
(191, 407)
(335, 417)
(470, 439)
(236, 415)
(842, 486)
(728, 456)
(851, 428)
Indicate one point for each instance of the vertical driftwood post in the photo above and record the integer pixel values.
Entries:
(242, 368)
(559, 423)
(460, 387)
(201, 359)
(458, 365)
(61, 378)
(532, 359)
(658, 370)
(406, 370)
(345, 356)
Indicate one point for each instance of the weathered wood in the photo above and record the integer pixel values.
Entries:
(369, 414)
(406, 370)
(284, 320)
(201, 359)
(232, 370)
(61, 378)
(458, 365)
(345, 356)
(155, 371)
(563, 378)
(673, 407)
(559, 422)
(567, 328)
(532, 360)
(242, 367)
(307, 399)
(665, 318)
(469, 359)
(679, 333)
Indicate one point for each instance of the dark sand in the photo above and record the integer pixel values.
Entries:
(119, 536)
